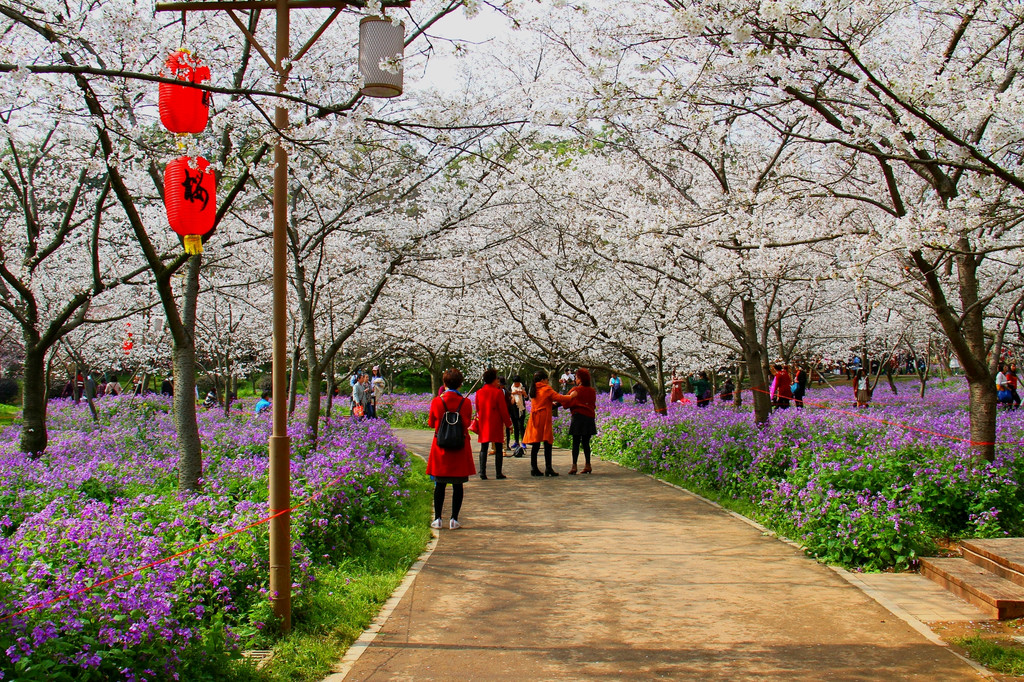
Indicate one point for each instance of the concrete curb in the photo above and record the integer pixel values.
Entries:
(919, 626)
(342, 668)
(348, 661)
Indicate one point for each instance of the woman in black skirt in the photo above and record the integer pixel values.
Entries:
(582, 402)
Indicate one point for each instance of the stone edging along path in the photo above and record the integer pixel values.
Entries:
(608, 576)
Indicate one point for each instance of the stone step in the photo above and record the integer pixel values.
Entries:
(994, 595)
(1002, 556)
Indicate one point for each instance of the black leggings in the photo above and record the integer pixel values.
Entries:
(439, 499)
(518, 424)
(484, 447)
(577, 441)
(547, 456)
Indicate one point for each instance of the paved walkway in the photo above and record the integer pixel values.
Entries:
(616, 576)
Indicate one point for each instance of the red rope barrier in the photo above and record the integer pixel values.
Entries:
(177, 555)
(908, 427)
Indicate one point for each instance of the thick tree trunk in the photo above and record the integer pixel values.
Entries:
(755, 364)
(435, 380)
(183, 353)
(190, 462)
(983, 419)
(33, 400)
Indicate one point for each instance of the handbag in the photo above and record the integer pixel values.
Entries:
(474, 426)
(358, 410)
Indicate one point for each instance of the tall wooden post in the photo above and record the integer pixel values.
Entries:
(279, 468)
(280, 446)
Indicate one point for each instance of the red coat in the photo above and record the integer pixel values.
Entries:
(450, 462)
(783, 386)
(582, 400)
(538, 429)
(492, 414)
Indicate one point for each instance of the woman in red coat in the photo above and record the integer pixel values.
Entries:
(783, 387)
(582, 402)
(492, 419)
(538, 430)
(450, 466)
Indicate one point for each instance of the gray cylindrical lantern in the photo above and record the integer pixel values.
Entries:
(381, 42)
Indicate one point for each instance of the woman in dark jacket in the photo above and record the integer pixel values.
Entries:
(450, 466)
(582, 402)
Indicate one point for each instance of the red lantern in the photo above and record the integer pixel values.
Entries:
(184, 109)
(190, 196)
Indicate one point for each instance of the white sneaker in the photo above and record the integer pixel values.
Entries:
(453, 524)
(436, 523)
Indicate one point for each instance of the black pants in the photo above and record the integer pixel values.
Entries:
(457, 492)
(577, 441)
(547, 456)
(484, 447)
(518, 424)
(1014, 399)
(798, 399)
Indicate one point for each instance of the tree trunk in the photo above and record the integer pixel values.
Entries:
(892, 384)
(658, 392)
(190, 462)
(183, 353)
(755, 364)
(737, 394)
(330, 388)
(983, 419)
(293, 384)
(435, 380)
(313, 394)
(33, 401)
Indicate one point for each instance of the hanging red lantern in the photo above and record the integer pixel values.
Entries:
(190, 196)
(184, 109)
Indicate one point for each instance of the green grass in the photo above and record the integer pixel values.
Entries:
(993, 655)
(346, 597)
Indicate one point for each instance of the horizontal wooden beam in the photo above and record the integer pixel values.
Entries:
(212, 5)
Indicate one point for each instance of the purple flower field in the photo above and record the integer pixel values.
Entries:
(103, 501)
(869, 489)
(866, 489)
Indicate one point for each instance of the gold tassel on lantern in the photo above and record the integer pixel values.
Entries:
(193, 244)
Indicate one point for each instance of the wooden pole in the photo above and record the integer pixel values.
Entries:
(280, 447)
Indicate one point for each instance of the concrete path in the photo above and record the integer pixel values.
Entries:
(616, 576)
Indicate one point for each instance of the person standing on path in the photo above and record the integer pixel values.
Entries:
(518, 412)
(505, 391)
(492, 418)
(450, 467)
(538, 430)
(582, 402)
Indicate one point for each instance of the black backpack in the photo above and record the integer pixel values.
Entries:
(450, 434)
